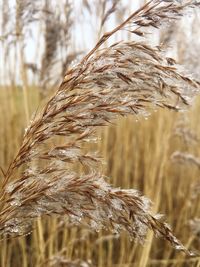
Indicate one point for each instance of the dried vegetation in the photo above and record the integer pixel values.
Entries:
(57, 177)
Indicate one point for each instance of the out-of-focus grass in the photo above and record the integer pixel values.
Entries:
(137, 155)
(12, 120)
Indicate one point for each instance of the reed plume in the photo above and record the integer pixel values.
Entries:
(51, 38)
(58, 41)
(5, 18)
(66, 26)
(59, 260)
(189, 158)
(125, 78)
(107, 12)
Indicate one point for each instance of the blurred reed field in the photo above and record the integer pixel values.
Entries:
(157, 154)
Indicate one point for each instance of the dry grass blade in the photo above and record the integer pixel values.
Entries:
(125, 78)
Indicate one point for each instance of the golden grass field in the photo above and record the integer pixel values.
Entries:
(137, 155)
